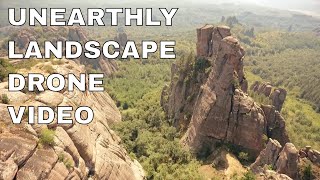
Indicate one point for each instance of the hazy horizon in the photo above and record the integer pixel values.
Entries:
(302, 6)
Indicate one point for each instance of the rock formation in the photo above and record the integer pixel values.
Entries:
(232, 21)
(275, 124)
(212, 106)
(204, 38)
(269, 174)
(207, 100)
(78, 152)
(281, 160)
(287, 160)
(105, 65)
(277, 96)
(267, 157)
(22, 37)
(311, 154)
(122, 39)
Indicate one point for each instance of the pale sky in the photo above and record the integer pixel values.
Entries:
(302, 5)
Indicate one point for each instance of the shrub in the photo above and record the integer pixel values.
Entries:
(307, 172)
(49, 69)
(118, 103)
(68, 164)
(5, 99)
(244, 157)
(47, 137)
(60, 157)
(204, 152)
(5, 69)
(248, 176)
(265, 139)
(201, 64)
(27, 64)
(270, 167)
(125, 106)
(65, 161)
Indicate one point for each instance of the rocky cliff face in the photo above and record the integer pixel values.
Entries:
(219, 110)
(207, 99)
(78, 151)
(105, 65)
(22, 37)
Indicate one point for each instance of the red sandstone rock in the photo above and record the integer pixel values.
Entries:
(204, 35)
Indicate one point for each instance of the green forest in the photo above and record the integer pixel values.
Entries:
(145, 132)
(286, 59)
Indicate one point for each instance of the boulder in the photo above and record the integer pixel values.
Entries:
(22, 144)
(311, 154)
(269, 174)
(8, 169)
(267, 157)
(50, 98)
(276, 125)
(278, 97)
(39, 165)
(59, 172)
(287, 162)
(26, 34)
(14, 97)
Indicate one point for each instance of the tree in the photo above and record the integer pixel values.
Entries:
(125, 106)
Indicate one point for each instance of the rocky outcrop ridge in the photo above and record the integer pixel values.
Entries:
(285, 160)
(267, 157)
(22, 37)
(277, 96)
(219, 109)
(78, 151)
(207, 100)
(269, 174)
(275, 124)
(105, 65)
(311, 154)
(282, 160)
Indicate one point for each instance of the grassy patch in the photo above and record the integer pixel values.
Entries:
(26, 64)
(48, 69)
(5, 69)
(5, 99)
(67, 162)
(46, 137)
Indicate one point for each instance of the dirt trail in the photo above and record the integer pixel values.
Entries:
(227, 167)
